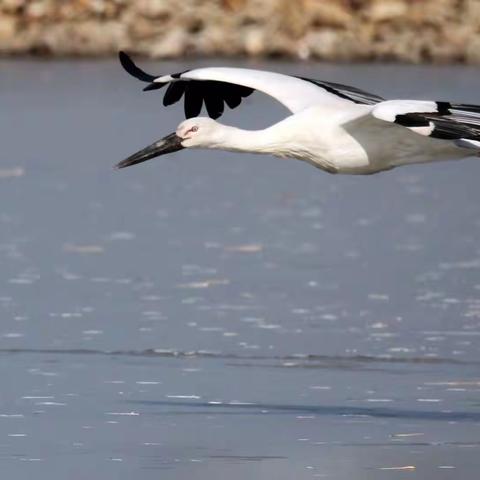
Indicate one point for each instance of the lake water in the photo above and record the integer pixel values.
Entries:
(212, 315)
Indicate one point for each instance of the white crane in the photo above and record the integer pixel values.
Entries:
(337, 128)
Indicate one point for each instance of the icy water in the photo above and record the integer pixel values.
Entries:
(212, 315)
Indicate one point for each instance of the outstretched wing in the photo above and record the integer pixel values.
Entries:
(449, 121)
(218, 86)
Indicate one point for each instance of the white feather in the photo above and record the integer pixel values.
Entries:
(389, 109)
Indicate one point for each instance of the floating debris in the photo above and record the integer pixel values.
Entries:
(205, 283)
(378, 296)
(122, 236)
(124, 414)
(184, 397)
(87, 249)
(406, 467)
(247, 248)
(11, 172)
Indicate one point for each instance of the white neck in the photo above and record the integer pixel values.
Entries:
(238, 140)
(282, 139)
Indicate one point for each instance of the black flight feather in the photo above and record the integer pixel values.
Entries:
(232, 99)
(132, 69)
(193, 100)
(211, 92)
(243, 91)
(346, 92)
(212, 95)
(174, 93)
(153, 86)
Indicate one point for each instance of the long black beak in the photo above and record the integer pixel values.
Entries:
(170, 143)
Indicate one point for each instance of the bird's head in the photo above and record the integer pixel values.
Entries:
(197, 132)
(194, 132)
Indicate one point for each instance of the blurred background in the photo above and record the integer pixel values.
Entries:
(404, 30)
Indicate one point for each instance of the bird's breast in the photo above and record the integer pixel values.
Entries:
(332, 150)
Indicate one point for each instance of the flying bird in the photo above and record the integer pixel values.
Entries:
(334, 127)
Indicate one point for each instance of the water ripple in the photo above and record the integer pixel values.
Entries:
(291, 360)
(237, 408)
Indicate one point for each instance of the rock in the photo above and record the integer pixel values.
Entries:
(406, 30)
(11, 6)
(472, 51)
(328, 14)
(433, 12)
(172, 45)
(85, 38)
(254, 41)
(155, 8)
(472, 12)
(8, 28)
(386, 10)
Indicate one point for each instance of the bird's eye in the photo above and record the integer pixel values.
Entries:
(194, 129)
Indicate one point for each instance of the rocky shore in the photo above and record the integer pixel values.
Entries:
(404, 30)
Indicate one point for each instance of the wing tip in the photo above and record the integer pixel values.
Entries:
(130, 67)
(125, 61)
(153, 86)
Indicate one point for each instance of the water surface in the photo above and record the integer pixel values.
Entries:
(211, 315)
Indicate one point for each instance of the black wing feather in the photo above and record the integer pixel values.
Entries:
(346, 92)
(153, 86)
(232, 99)
(242, 91)
(174, 93)
(450, 122)
(193, 100)
(132, 69)
(212, 95)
